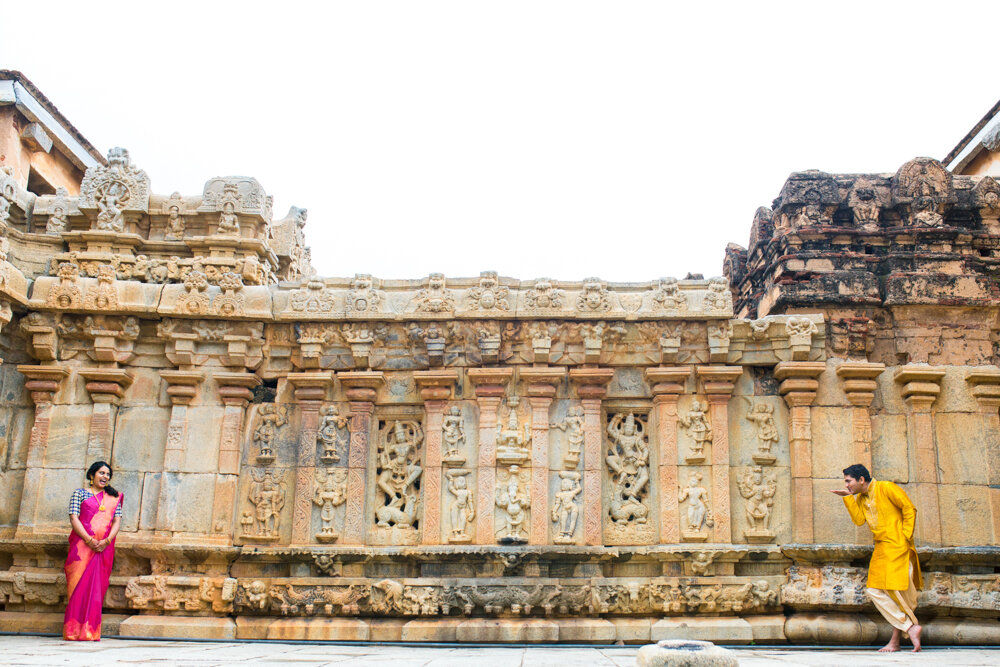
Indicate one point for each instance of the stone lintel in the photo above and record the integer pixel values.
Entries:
(859, 381)
(798, 381)
(235, 388)
(985, 384)
(718, 380)
(310, 387)
(490, 382)
(43, 381)
(668, 379)
(541, 380)
(362, 385)
(96, 240)
(591, 383)
(435, 385)
(182, 386)
(921, 384)
(106, 385)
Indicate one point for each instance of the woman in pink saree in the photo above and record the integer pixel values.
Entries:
(95, 514)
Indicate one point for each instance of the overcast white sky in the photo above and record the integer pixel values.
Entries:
(626, 140)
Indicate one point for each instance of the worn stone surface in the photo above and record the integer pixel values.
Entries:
(685, 653)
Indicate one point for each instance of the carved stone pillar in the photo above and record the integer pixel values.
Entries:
(310, 390)
(798, 387)
(591, 386)
(182, 387)
(717, 383)
(435, 389)
(361, 389)
(668, 383)
(860, 386)
(920, 388)
(540, 385)
(235, 391)
(985, 385)
(106, 387)
(490, 386)
(43, 383)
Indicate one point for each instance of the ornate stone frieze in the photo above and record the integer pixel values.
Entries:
(115, 192)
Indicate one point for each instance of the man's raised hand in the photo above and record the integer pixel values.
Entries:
(840, 492)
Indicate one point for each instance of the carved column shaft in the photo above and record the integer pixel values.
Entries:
(718, 384)
(591, 387)
(310, 392)
(435, 390)
(860, 386)
(986, 389)
(668, 384)
(490, 387)
(798, 387)
(43, 383)
(106, 387)
(361, 392)
(182, 387)
(920, 388)
(541, 389)
(235, 394)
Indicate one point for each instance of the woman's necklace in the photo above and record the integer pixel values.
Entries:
(103, 496)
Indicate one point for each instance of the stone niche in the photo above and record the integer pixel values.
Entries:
(493, 459)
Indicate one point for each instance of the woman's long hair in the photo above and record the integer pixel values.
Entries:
(92, 470)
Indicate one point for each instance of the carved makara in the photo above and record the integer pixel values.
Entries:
(513, 498)
(462, 508)
(699, 516)
(329, 492)
(398, 475)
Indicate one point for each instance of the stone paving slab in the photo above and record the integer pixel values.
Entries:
(34, 650)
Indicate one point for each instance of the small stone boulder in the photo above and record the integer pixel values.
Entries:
(685, 653)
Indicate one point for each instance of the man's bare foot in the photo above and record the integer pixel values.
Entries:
(914, 634)
(891, 647)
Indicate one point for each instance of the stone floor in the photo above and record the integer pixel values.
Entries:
(29, 650)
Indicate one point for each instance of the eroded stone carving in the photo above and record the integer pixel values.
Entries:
(194, 301)
(331, 435)
(594, 296)
(58, 221)
(176, 224)
(513, 498)
(231, 302)
(329, 491)
(572, 425)
(103, 296)
(699, 517)
(313, 298)
(758, 490)
(719, 299)
(268, 498)
(668, 296)
(229, 221)
(544, 296)
(762, 416)
(513, 442)
(398, 472)
(114, 189)
(453, 437)
(67, 293)
(462, 508)
(699, 428)
(565, 510)
(436, 297)
(866, 204)
(362, 297)
(270, 418)
(489, 294)
(628, 465)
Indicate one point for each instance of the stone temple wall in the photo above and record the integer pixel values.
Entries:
(489, 459)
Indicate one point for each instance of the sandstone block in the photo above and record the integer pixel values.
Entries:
(830, 628)
(685, 653)
(503, 630)
(965, 514)
(632, 630)
(252, 627)
(722, 629)
(319, 629)
(889, 451)
(768, 629)
(586, 631)
(832, 441)
(386, 629)
(439, 630)
(961, 443)
(178, 627)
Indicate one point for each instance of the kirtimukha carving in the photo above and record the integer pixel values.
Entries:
(194, 301)
(230, 303)
(270, 418)
(399, 472)
(513, 442)
(512, 497)
(594, 297)
(103, 296)
(863, 200)
(314, 298)
(719, 298)
(572, 425)
(176, 225)
(699, 517)
(67, 293)
(699, 428)
(229, 220)
(453, 436)
(268, 498)
(58, 221)
(462, 509)
(362, 297)
(331, 433)
(435, 298)
(628, 465)
(565, 509)
(668, 296)
(329, 492)
(762, 415)
(489, 295)
(758, 490)
(544, 296)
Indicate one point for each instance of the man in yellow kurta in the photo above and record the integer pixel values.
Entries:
(894, 572)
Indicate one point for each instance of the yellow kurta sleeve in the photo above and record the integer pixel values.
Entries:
(906, 507)
(857, 514)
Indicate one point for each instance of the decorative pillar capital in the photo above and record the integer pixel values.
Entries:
(591, 383)
(920, 385)
(718, 382)
(490, 382)
(435, 385)
(859, 381)
(106, 385)
(985, 383)
(541, 381)
(362, 386)
(798, 381)
(311, 387)
(182, 386)
(43, 381)
(236, 389)
(667, 382)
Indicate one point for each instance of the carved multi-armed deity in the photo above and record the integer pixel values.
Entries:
(267, 496)
(270, 419)
(628, 465)
(331, 434)
(513, 499)
(513, 441)
(762, 415)
(399, 472)
(329, 493)
(758, 491)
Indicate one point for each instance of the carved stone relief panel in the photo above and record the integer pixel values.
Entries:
(398, 482)
(628, 517)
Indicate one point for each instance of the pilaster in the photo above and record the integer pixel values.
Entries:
(435, 390)
(490, 386)
(798, 387)
(235, 391)
(920, 386)
(361, 389)
(860, 385)
(668, 383)
(310, 390)
(42, 385)
(182, 387)
(985, 384)
(717, 383)
(540, 385)
(106, 387)
(592, 386)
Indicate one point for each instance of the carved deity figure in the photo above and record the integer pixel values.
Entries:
(513, 500)
(699, 428)
(453, 435)
(329, 491)
(698, 515)
(176, 225)
(462, 509)
(565, 510)
(330, 433)
(270, 419)
(759, 494)
(513, 441)
(762, 415)
(58, 221)
(110, 205)
(573, 427)
(628, 460)
(268, 497)
(229, 222)
(399, 470)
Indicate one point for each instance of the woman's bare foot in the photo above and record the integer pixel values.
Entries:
(891, 647)
(914, 634)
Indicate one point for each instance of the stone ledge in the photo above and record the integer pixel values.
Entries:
(722, 629)
(38, 622)
(180, 627)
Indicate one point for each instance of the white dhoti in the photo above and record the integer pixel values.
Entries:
(897, 606)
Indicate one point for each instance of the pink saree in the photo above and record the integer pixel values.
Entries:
(88, 572)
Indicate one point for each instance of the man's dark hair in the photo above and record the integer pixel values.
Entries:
(858, 472)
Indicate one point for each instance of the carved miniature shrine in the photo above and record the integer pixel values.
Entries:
(491, 459)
